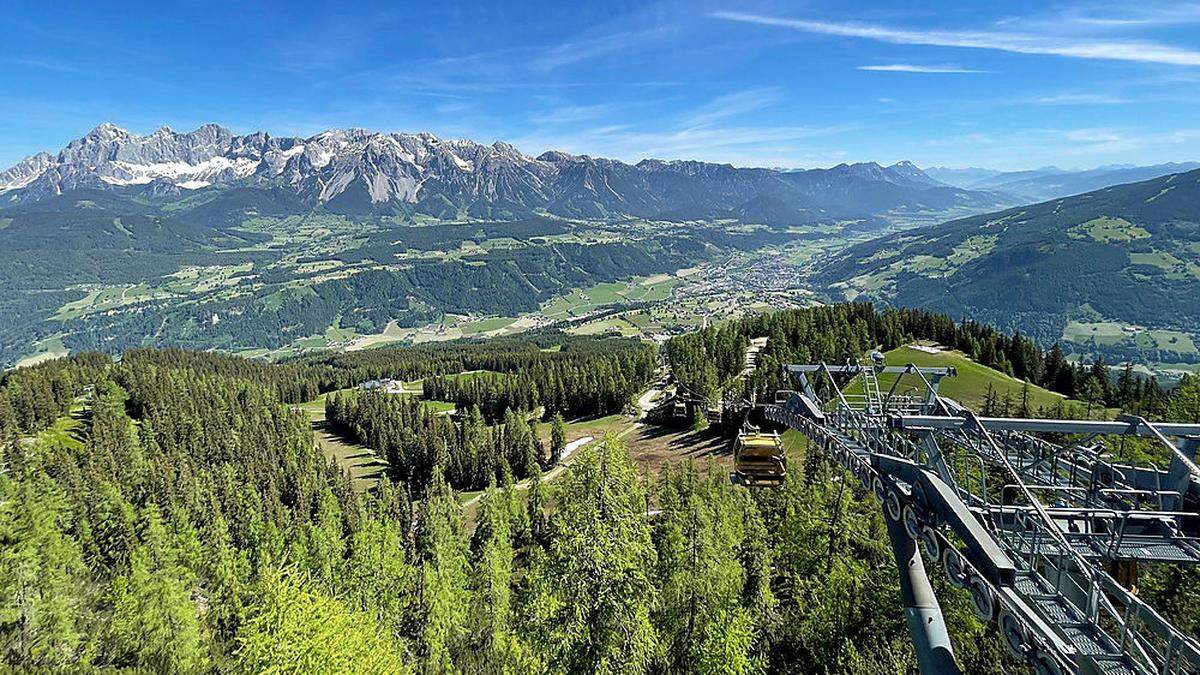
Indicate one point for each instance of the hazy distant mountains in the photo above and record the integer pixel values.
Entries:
(1051, 182)
(361, 172)
(1128, 253)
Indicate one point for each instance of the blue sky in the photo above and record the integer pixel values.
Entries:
(1004, 85)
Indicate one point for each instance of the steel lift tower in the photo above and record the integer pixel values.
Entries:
(1045, 535)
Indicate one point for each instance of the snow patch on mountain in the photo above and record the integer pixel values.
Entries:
(360, 168)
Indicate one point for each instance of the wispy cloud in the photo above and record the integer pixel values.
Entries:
(1080, 99)
(569, 53)
(1020, 43)
(741, 145)
(330, 41)
(570, 113)
(1100, 135)
(1142, 14)
(911, 68)
(731, 105)
(519, 68)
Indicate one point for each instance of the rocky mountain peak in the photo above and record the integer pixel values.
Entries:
(361, 169)
(106, 131)
(556, 157)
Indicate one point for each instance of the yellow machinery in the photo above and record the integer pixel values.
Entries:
(758, 459)
(713, 413)
(679, 410)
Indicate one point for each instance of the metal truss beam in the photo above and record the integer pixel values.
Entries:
(1128, 427)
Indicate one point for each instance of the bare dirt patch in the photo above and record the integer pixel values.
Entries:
(653, 447)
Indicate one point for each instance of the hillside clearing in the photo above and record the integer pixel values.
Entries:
(969, 387)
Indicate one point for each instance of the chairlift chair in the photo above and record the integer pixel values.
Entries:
(758, 459)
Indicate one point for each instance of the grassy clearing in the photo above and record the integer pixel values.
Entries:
(46, 349)
(583, 301)
(439, 406)
(487, 325)
(1107, 230)
(596, 427)
(1172, 267)
(969, 387)
(66, 432)
(358, 461)
(613, 324)
(104, 298)
(1100, 332)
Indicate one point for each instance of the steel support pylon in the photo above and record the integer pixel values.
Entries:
(926, 625)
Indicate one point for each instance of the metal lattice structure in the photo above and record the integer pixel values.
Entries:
(1045, 536)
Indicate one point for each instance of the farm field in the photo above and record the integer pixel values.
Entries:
(582, 301)
(1111, 333)
(105, 298)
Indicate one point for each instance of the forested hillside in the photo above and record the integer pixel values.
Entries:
(707, 362)
(169, 512)
(1128, 253)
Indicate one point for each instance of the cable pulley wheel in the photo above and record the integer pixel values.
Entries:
(955, 567)
(891, 505)
(1016, 638)
(930, 542)
(983, 600)
(1043, 663)
(877, 489)
(912, 522)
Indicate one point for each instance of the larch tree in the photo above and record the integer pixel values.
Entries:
(154, 624)
(594, 590)
(295, 628)
(558, 438)
(702, 617)
(445, 594)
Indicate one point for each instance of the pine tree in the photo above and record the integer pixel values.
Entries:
(989, 401)
(1093, 393)
(558, 438)
(1023, 407)
(1184, 405)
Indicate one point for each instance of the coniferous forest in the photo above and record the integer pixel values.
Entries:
(170, 512)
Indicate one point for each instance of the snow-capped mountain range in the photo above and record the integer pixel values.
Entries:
(361, 171)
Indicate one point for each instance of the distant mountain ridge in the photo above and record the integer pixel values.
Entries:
(1127, 253)
(1052, 182)
(360, 172)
